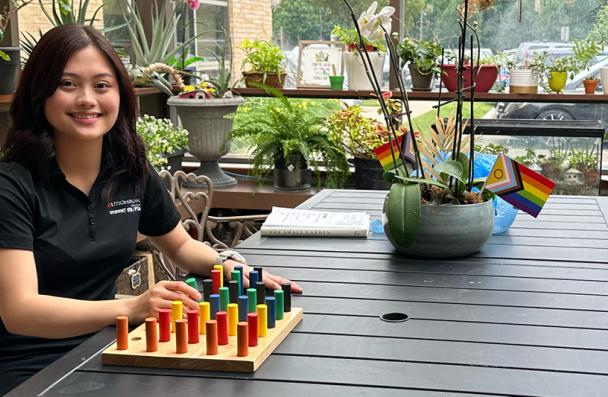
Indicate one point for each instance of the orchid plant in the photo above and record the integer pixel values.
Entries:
(372, 27)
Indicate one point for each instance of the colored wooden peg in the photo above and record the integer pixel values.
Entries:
(207, 289)
(251, 296)
(193, 326)
(261, 292)
(215, 281)
(211, 337)
(242, 340)
(233, 318)
(192, 282)
(279, 304)
(151, 334)
(177, 312)
(224, 298)
(233, 291)
(239, 268)
(214, 304)
(204, 314)
(164, 325)
(222, 328)
(262, 320)
(254, 277)
(260, 273)
(270, 304)
(122, 333)
(286, 287)
(221, 269)
(181, 336)
(243, 306)
(236, 275)
(252, 320)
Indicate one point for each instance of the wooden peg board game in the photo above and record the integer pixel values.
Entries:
(196, 357)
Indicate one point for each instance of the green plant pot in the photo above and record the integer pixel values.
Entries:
(8, 70)
(445, 231)
(336, 82)
(557, 81)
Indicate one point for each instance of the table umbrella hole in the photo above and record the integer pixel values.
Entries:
(394, 317)
(135, 339)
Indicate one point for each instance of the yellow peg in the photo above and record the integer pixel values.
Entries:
(262, 311)
(203, 316)
(221, 269)
(233, 318)
(177, 313)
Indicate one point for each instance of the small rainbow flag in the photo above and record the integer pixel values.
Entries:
(385, 155)
(519, 185)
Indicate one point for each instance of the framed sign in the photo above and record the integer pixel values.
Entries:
(317, 61)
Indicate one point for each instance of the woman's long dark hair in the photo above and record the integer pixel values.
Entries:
(30, 137)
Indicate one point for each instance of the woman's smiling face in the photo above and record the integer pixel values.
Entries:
(85, 105)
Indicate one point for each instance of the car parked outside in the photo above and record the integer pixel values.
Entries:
(554, 50)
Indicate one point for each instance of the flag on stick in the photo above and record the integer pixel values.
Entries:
(518, 185)
(391, 160)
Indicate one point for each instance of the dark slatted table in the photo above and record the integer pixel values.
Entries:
(525, 316)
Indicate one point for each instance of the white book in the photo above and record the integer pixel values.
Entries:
(297, 222)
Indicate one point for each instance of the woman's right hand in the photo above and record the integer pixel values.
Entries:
(160, 296)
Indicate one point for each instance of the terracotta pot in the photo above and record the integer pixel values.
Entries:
(484, 80)
(590, 86)
(272, 79)
(591, 177)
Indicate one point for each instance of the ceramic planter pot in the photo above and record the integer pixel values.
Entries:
(272, 79)
(208, 132)
(291, 174)
(8, 70)
(446, 231)
(557, 81)
(355, 71)
(522, 81)
(484, 80)
(590, 86)
(420, 81)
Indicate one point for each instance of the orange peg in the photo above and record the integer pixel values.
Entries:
(211, 336)
(181, 336)
(151, 335)
(122, 333)
(242, 339)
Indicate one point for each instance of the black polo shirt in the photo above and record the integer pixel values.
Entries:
(80, 244)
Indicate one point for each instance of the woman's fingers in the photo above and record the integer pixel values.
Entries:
(274, 282)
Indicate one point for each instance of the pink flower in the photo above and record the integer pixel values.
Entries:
(193, 4)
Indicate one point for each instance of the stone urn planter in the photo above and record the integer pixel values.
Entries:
(208, 132)
(445, 231)
(355, 71)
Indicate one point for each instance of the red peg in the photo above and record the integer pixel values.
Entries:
(222, 328)
(193, 326)
(252, 320)
(164, 322)
(215, 281)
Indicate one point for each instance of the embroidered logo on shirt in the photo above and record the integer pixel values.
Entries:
(124, 206)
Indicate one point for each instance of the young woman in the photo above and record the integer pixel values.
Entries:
(75, 188)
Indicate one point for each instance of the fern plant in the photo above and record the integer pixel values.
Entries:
(283, 128)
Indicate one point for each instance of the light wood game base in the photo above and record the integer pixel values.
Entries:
(196, 357)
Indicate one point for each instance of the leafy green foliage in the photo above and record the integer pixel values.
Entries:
(262, 56)
(403, 212)
(359, 134)
(161, 138)
(422, 53)
(64, 12)
(280, 126)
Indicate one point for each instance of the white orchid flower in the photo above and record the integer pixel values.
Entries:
(370, 22)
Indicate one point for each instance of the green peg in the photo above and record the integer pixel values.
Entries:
(192, 282)
(252, 297)
(279, 309)
(224, 299)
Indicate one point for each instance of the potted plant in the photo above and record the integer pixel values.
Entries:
(553, 167)
(585, 51)
(586, 161)
(289, 136)
(165, 144)
(590, 84)
(485, 73)
(524, 79)
(421, 56)
(557, 73)
(9, 56)
(202, 110)
(359, 136)
(371, 24)
(263, 63)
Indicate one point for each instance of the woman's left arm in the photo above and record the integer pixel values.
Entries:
(199, 258)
